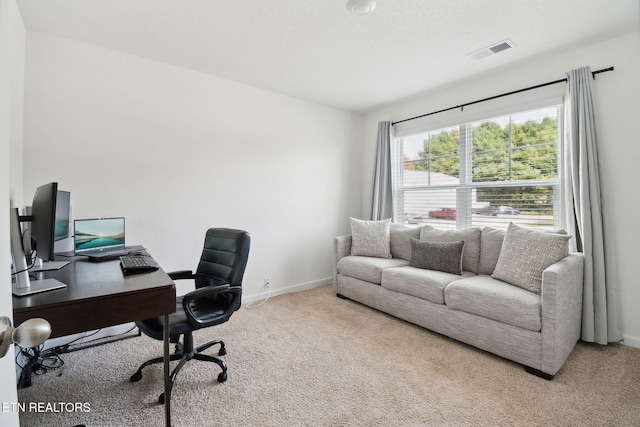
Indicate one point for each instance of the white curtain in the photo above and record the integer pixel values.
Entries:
(585, 214)
(381, 199)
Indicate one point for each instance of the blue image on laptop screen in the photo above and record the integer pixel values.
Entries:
(97, 234)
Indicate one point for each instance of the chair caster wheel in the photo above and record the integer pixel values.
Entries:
(161, 399)
(136, 377)
(222, 377)
(222, 351)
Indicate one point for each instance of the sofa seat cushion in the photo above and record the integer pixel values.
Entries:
(496, 300)
(367, 268)
(425, 284)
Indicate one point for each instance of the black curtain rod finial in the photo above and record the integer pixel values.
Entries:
(604, 70)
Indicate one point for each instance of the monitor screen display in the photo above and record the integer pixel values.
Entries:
(43, 213)
(63, 215)
(97, 234)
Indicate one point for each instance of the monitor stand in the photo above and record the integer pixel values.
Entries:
(37, 286)
(23, 284)
(48, 266)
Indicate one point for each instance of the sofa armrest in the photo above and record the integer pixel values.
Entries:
(341, 248)
(562, 284)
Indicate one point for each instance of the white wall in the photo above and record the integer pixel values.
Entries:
(176, 152)
(12, 39)
(618, 97)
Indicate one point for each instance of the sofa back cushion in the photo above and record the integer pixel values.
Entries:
(471, 237)
(490, 246)
(401, 236)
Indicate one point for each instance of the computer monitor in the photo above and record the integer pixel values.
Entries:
(61, 228)
(42, 218)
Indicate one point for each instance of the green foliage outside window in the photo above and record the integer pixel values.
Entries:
(512, 152)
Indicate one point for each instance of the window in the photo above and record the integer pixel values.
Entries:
(484, 173)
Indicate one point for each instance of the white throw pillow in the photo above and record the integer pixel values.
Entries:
(370, 238)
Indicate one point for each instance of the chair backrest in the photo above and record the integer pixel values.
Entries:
(224, 256)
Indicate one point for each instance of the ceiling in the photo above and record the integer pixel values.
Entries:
(316, 50)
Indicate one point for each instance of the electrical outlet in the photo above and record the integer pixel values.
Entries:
(267, 283)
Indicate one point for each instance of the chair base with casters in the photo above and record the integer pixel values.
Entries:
(218, 294)
(184, 353)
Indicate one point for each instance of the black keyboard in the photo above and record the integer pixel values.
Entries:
(137, 264)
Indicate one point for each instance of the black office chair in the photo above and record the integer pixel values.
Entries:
(218, 293)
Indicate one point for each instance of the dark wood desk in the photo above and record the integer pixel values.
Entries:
(98, 295)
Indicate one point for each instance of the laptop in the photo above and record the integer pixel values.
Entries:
(100, 238)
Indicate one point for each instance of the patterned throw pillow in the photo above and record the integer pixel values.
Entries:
(370, 238)
(525, 254)
(440, 256)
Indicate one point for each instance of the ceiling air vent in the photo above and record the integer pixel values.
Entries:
(492, 50)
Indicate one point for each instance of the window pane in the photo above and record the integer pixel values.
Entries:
(537, 162)
(518, 147)
(490, 165)
(413, 145)
(530, 207)
(443, 156)
(434, 154)
(490, 135)
(434, 207)
(490, 150)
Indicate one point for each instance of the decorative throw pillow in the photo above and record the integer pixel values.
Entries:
(401, 236)
(440, 256)
(370, 238)
(471, 237)
(525, 254)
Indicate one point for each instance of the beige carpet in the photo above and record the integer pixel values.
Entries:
(311, 359)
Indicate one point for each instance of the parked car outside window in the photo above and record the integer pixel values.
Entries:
(443, 213)
(508, 210)
(412, 218)
(487, 210)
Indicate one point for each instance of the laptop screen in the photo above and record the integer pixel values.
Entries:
(97, 234)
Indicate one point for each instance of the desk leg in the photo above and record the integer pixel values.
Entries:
(167, 381)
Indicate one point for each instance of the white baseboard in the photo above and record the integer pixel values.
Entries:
(631, 341)
(280, 291)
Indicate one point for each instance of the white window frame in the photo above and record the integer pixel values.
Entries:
(465, 187)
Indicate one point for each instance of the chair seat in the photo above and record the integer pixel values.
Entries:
(179, 322)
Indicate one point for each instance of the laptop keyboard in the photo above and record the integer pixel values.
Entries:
(111, 251)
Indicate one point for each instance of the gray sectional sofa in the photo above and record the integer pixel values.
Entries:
(494, 301)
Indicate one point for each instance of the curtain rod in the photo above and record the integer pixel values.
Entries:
(593, 73)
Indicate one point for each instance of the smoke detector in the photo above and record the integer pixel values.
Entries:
(492, 50)
(361, 7)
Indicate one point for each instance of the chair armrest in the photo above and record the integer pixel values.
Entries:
(210, 292)
(181, 274)
(562, 285)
